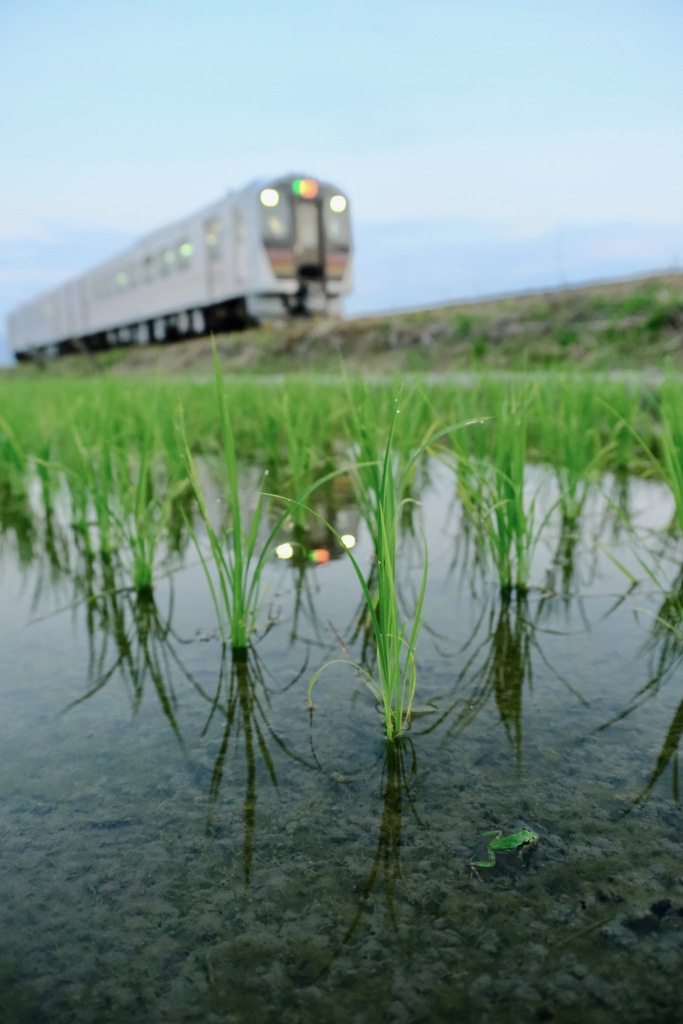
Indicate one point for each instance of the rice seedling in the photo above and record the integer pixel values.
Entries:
(367, 412)
(143, 520)
(664, 450)
(15, 507)
(302, 444)
(93, 488)
(238, 564)
(571, 443)
(624, 412)
(670, 457)
(395, 641)
(13, 458)
(395, 646)
(117, 504)
(494, 496)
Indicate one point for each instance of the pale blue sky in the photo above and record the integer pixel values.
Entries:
(504, 121)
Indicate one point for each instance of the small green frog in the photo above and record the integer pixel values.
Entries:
(521, 841)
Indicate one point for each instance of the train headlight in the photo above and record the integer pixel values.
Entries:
(337, 204)
(270, 197)
(307, 188)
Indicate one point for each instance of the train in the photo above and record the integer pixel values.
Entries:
(274, 249)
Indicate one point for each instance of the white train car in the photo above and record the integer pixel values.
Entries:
(273, 249)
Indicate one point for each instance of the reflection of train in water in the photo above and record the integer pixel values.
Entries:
(273, 249)
(325, 536)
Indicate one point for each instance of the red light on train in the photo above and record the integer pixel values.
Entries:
(307, 188)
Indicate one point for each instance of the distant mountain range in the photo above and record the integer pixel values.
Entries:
(397, 266)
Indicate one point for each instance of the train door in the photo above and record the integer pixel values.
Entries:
(308, 254)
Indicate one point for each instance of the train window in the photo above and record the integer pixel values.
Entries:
(185, 250)
(213, 232)
(276, 222)
(167, 261)
(148, 269)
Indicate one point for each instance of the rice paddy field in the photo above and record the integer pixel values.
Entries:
(330, 700)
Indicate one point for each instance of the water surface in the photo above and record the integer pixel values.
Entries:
(182, 841)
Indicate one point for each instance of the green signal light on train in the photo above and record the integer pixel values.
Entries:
(307, 188)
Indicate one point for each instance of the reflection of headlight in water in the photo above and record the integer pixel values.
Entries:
(348, 540)
(284, 550)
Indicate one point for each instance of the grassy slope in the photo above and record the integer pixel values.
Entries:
(632, 324)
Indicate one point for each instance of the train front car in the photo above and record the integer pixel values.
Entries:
(305, 235)
(264, 252)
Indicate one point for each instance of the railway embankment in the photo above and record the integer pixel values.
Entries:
(631, 324)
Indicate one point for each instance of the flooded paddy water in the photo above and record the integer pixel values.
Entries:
(183, 840)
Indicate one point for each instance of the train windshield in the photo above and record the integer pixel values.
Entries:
(276, 220)
(305, 229)
(336, 219)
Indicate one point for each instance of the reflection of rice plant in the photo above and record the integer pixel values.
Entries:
(665, 646)
(668, 755)
(244, 705)
(396, 794)
(499, 664)
(130, 639)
